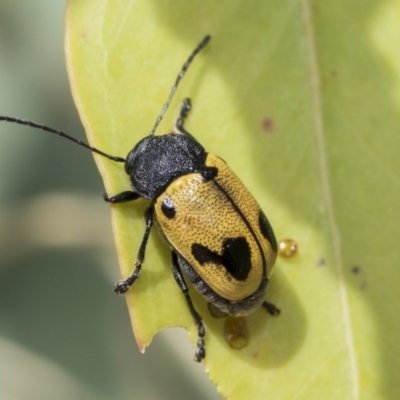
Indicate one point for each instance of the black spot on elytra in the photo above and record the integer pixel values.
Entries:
(267, 231)
(168, 208)
(235, 258)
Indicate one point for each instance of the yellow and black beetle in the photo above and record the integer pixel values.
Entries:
(219, 236)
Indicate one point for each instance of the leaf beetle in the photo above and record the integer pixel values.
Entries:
(220, 239)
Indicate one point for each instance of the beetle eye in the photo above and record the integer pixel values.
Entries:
(168, 208)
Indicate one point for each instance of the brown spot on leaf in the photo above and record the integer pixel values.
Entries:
(267, 124)
(356, 269)
(321, 262)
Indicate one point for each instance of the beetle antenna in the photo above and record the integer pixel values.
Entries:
(60, 133)
(185, 67)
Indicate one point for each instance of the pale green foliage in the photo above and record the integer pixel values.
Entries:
(301, 100)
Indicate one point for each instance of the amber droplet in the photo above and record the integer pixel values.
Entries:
(236, 332)
(287, 248)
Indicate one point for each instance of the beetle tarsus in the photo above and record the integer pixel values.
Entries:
(271, 308)
(122, 197)
(200, 352)
(186, 106)
(121, 287)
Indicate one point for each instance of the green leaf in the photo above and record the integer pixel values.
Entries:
(301, 99)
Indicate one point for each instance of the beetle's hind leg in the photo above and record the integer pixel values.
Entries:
(186, 106)
(271, 308)
(200, 352)
(122, 287)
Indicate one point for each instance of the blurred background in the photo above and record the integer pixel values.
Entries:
(64, 334)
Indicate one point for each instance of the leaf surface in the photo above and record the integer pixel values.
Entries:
(302, 100)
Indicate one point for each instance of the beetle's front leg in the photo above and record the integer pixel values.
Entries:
(186, 106)
(122, 287)
(122, 197)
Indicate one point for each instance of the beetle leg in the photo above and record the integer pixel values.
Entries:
(122, 197)
(200, 350)
(271, 308)
(186, 106)
(122, 286)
